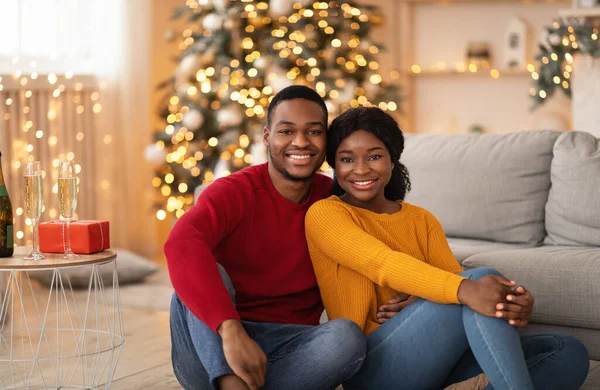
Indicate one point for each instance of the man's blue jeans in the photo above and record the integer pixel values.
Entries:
(300, 357)
(430, 346)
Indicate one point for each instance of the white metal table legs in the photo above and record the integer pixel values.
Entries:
(59, 338)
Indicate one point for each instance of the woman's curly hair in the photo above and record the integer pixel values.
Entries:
(382, 126)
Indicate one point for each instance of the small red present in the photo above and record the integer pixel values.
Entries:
(86, 236)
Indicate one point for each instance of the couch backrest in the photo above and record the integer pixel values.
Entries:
(573, 208)
(490, 186)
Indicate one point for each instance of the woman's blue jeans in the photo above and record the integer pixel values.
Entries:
(429, 346)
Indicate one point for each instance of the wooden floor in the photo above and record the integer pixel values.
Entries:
(145, 358)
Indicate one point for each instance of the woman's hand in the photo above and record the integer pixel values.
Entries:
(394, 306)
(484, 294)
(518, 308)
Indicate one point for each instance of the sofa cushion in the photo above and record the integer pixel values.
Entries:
(464, 248)
(489, 187)
(573, 208)
(564, 281)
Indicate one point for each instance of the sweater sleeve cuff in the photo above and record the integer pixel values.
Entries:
(452, 286)
(223, 315)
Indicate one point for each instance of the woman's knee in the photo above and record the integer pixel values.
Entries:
(480, 272)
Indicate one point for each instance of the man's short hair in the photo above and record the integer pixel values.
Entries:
(296, 92)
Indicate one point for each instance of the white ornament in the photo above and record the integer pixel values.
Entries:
(193, 120)
(371, 89)
(277, 79)
(230, 116)
(203, 2)
(348, 92)
(279, 8)
(258, 150)
(212, 22)
(332, 108)
(221, 168)
(182, 88)
(261, 63)
(554, 39)
(154, 155)
(515, 41)
(279, 82)
(188, 66)
(221, 5)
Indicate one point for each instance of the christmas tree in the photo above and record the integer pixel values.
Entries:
(236, 55)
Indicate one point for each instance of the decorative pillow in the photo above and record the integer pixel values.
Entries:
(573, 207)
(131, 268)
(488, 187)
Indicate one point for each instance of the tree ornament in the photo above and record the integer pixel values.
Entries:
(154, 155)
(193, 120)
(278, 8)
(230, 116)
(213, 22)
(221, 5)
(188, 66)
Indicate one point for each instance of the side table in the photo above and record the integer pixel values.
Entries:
(59, 337)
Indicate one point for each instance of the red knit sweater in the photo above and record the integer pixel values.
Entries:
(244, 224)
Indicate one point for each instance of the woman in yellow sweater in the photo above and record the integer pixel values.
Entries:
(367, 245)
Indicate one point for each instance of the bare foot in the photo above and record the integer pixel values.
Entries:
(231, 382)
(475, 383)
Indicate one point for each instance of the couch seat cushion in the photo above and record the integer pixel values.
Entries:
(489, 187)
(573, 208)
(565, 281)
(464, 247)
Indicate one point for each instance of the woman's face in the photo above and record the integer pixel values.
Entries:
(363, 167)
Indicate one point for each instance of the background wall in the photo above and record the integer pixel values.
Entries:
(444, 102)
(163, 67)
(453, 103)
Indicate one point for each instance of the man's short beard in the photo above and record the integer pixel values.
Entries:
(288, 175)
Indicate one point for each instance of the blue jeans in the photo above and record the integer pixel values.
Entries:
(299, 357)
(430, 346)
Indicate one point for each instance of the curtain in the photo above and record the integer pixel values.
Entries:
(101, 121)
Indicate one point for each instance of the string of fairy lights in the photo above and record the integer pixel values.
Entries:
(564, 40)
(18, 92)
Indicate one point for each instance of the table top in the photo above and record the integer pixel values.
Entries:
(52, 260)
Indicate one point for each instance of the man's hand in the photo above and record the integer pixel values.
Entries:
(518, 307)
(484, 294)
(243, 355)
(395, 304)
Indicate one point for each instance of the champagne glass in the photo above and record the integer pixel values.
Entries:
(34, 202)
(67, 200)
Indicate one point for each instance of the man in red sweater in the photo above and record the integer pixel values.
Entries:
(245, 237)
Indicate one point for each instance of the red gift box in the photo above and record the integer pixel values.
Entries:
(86, 236)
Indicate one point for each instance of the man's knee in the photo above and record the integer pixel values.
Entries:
(478, 273)
(346, 339)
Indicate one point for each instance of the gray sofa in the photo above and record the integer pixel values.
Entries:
(527, 204)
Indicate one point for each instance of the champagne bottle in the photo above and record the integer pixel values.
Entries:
(6, 219)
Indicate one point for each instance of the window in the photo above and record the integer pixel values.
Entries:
(47, 35)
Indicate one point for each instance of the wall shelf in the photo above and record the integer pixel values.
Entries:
(450, 2)
(590, 12)
(467, 73)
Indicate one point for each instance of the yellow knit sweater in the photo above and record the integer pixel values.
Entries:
(361, 258)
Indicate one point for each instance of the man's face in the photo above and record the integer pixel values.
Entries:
(296, 139)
